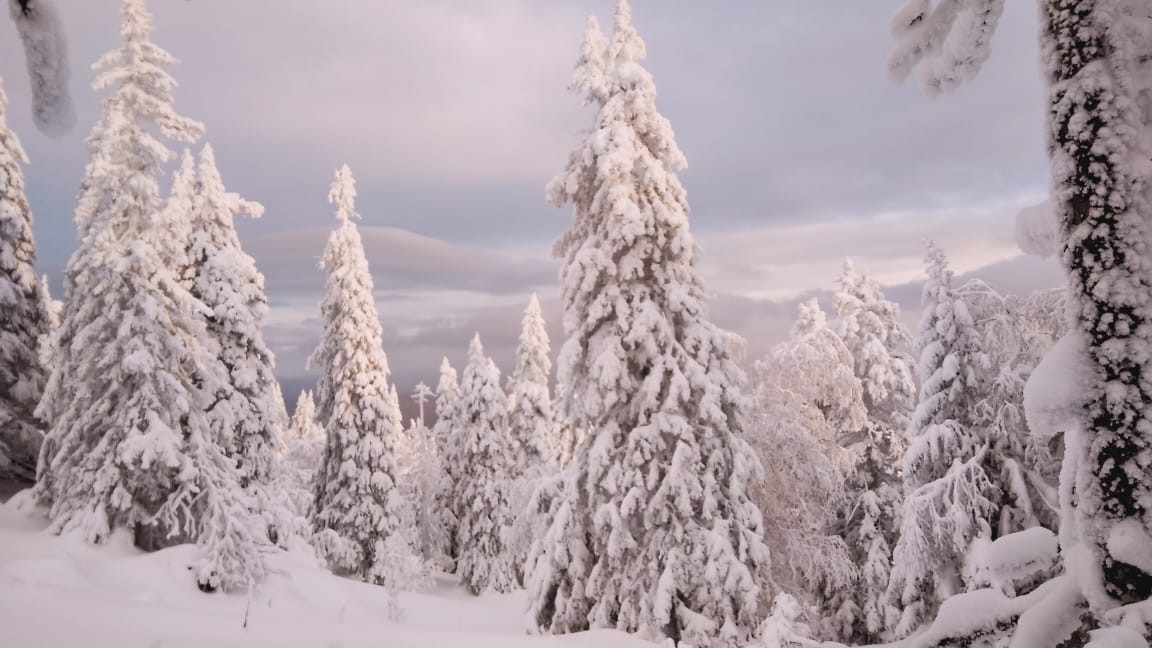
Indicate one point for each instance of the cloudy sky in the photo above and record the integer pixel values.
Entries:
(453, 115)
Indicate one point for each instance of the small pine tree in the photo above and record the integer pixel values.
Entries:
(448, 434)
(303, 452)
(358, 508)
(531, 423)
(24, 317)
(948, 492)
(483, 508)
(423, 484)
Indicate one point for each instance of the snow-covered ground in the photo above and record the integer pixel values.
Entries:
(57, 592)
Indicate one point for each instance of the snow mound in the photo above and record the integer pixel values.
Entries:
(1129, 542)
(115, 595)
(1055, 394)
(1014, 556)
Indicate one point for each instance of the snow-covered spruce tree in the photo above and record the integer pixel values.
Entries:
(1097, 68)
(1015, 333)
(129, 441)
(655, 531)
(482, 505)
(533, 431)
(807, 401)
(870, 328)
(303, 450)
(948, 493)
(245, 410)
(358, 506)
(448, 434)
(423, 483)
(24, 317)
(531, 423)
(437, 522)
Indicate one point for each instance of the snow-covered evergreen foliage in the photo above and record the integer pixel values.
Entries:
(482, 505)
(421, 394)
(807, 400)
(533, 430)
(358, 500)
(1015, 334)
(948, 492)
(1096, 63)
(303, 450)
(870, 328)
(245, 410)
(423, 484)
(133, 373)
(531, 423)
(655, 531)
(24, 316)
(449, 435)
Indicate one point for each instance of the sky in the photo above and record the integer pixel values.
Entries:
(454, 114)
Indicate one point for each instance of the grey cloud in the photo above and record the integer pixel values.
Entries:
(453, 115)
(402, 263)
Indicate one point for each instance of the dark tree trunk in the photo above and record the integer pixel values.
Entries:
(1103, 208)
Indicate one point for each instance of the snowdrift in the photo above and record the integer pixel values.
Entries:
(60, 591)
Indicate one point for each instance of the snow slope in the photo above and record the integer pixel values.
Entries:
(62, 592)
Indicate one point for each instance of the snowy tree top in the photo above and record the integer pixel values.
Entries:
(135, 70)
(9, 142)
(421, 392)
(476, 350)
(590, 78)
(626, 46)
(343, 195)
(213, 185)
(811, 318)
(448, 378)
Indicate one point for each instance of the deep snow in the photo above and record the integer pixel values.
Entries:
(60, 591)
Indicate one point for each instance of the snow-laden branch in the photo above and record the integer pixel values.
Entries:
(46, 51)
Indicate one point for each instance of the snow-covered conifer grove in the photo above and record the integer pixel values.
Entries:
(981, 478)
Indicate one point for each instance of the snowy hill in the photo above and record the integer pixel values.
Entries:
(63, 592)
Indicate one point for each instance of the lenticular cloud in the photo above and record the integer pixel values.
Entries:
(47, 53)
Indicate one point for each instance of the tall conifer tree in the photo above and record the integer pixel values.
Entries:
(654, 531)
(357, 497)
